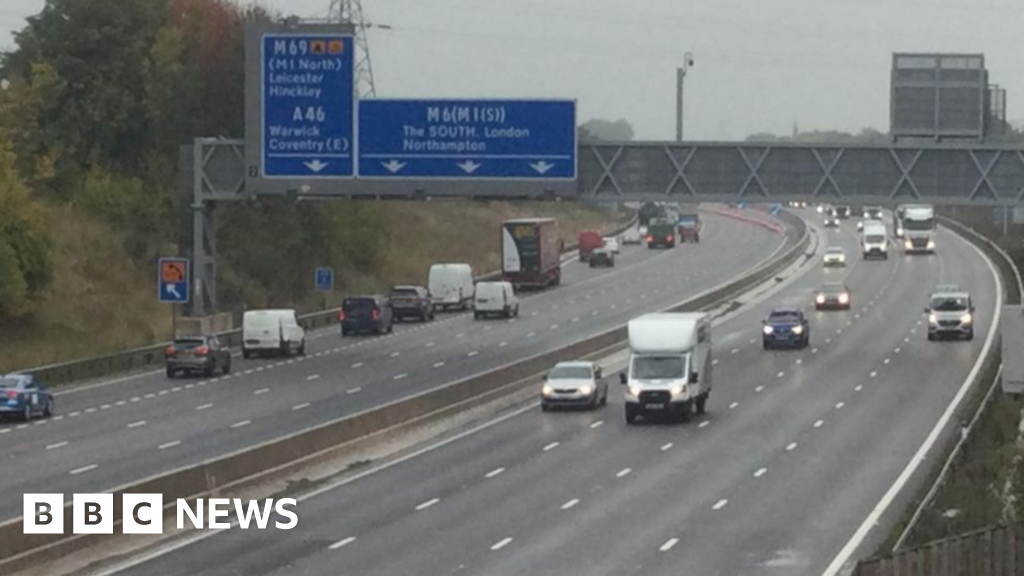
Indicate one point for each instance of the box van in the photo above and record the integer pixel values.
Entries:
(874, 240)
(451, 286)
(495, 298)
(275, 331)
(669, 369)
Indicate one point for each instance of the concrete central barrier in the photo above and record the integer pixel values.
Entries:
(18, 550)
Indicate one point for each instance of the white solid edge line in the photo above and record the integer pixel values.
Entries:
(200, 536)
(887, 499)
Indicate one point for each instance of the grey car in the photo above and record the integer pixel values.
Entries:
(832, 296)
(950, 315)
(203, 354)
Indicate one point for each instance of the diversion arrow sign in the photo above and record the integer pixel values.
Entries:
(173, 280)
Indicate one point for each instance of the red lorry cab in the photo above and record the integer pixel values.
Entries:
(589, 240)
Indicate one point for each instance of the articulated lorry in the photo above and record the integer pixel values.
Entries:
(531, 252)
(918, 224)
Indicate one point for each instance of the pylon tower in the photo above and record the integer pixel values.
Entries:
(351, 12)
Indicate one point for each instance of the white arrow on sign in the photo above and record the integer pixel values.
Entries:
(316, 165)
(393, 166)
(469, 166)
(172, 290)
(542, 167)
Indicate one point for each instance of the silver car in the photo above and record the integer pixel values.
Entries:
(950, 315)
(574, 384)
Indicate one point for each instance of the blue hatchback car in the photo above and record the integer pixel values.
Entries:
(22, 395)
(786, 328)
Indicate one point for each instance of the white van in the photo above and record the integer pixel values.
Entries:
(451, 286)
(874, 240)
(669, 368)
(272, 331)
(495, 298)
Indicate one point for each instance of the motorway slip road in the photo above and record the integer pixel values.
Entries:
(107, 436)
(796, 450)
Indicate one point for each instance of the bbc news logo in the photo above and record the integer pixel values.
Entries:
(144, 514)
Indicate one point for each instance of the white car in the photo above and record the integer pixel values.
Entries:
(612, 244)
(574, 384)
(632, 236)
(834, 256)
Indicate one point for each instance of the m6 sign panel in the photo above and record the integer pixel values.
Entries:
(467, 139)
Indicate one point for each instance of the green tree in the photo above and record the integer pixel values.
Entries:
(26, 265)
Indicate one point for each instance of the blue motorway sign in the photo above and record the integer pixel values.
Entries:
(172, 280)
(467, 139)
(308, 106)
(324, 279)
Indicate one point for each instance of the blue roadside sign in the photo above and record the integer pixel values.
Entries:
(467, 139)
(324, 279)
(173, 280)
(308, 116)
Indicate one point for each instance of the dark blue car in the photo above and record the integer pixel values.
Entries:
(23, 396)
(786, 328)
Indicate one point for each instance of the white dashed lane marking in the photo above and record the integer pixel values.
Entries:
(204, 406)
(791, 446)
(551, 446)
(312, 377)
(169, 445)
(733, 405)
(819, 423)
(720, 504)
(438, 364)
(760, 472)
(427, 504)
(261, 391)
(668, 545)
(302, 406)
(666, 447)
(56, 445)
(704, 424)
(241, 424)
(137, 424)
(494, 473)
(624, 472)
(342, 543)
(858, 387)
(353, 390)
(83, 469)
(501, 544)
(400, 376)
(597, 424)
(570, 503)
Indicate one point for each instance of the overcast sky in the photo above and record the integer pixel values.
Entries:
(761, 65)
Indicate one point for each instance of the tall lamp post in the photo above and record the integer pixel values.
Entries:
(680, 78)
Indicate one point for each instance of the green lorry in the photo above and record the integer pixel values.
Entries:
(661, 233)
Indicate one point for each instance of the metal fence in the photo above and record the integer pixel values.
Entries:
(989, 552)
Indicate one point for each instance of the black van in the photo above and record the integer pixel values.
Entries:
(366, 314)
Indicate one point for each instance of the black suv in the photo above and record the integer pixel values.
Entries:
(366, 314)
(203, 354)
(411, 302)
